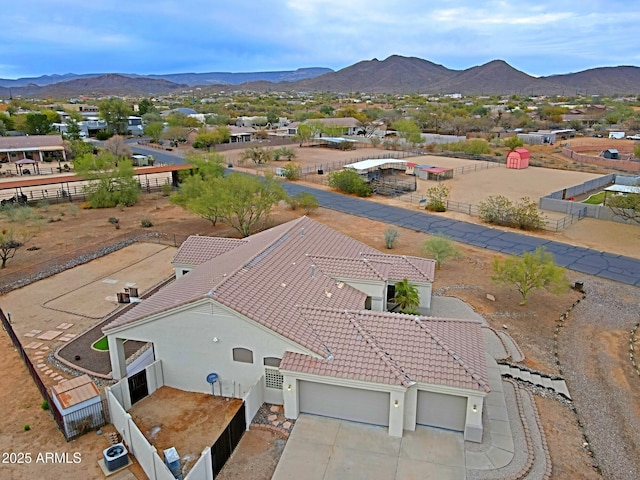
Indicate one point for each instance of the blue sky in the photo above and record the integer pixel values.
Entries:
(544, 37)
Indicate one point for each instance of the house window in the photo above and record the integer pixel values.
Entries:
(273, 378)
(367, 303)
(272, 361)
(184, 272)
(391, 292)
(243, 355)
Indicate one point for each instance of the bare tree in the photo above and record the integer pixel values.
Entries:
(117, 146)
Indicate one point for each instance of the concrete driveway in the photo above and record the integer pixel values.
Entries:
(321, 448)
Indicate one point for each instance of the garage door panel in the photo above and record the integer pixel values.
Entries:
(354, 404)
(441, 410)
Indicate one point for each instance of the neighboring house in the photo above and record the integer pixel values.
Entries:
(349, 125)
(39, 148)
(299, 315)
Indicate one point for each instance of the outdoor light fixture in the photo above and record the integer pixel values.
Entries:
(396, 404)
(475, 408)
(216, 339)
(289, 388)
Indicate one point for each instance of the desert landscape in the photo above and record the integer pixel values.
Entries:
(601, 338)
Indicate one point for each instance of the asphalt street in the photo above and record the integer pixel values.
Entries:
(580, 259)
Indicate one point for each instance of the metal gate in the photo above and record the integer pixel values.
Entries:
(138, 386)
(227, 442)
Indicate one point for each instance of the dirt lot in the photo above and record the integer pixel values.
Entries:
(467, 278)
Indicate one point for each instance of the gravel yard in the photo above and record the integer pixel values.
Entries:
(594, 358)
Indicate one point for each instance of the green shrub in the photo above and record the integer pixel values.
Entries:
(27, 427)
(348, 181)
(146, 223)
(291, 171)
(114, 220)
(45, 405)
(437, 198)
(166, 189)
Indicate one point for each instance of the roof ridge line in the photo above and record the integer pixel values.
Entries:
(467, 368)
(386, 358)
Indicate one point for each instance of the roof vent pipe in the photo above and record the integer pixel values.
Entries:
(302, 232)
(313, 271)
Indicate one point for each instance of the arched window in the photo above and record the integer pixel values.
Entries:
(272, 361)
(243, 355)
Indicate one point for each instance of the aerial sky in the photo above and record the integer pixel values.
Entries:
(44, 37)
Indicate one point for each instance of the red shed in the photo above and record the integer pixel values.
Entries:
(518, 158)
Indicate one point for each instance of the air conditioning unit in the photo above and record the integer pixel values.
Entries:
(115, 457)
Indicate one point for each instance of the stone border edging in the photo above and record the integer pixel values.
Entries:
(632, 355)
(556, 334)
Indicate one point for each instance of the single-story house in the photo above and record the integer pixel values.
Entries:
(518, 158)
(304, 316)
(348, 125)
(39, 148)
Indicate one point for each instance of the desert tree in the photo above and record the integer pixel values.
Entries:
(117, 147)
(625, 206)
(257, 155)
(111, 181)
(199, 193)
(533, 270)
(154, 130)
(115, 112)
(513, 142)
(10, 243)
(440, 248)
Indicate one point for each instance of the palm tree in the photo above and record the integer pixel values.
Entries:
(406, 297)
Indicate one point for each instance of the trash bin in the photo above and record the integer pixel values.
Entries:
(320, 171)
(172, 460)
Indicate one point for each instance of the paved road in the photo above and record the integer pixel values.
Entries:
(585, 260)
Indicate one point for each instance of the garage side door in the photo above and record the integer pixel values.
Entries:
(440, 410)
(366, 406)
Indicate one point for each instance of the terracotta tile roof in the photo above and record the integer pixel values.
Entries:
(415, 269)
(395, 349)
(198, 249)
(74, 391)
(284, 279)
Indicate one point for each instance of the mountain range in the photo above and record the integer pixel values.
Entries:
(396, 74)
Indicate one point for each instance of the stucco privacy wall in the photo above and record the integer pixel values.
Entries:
(556, 201)
(184, 340)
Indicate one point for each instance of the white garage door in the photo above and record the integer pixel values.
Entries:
(366, 406)
(440, 410)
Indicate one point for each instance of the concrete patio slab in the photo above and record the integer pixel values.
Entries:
(368, 438)
(414, 470)
(360, 465)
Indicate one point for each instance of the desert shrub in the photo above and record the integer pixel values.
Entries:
(499, 210)
(496, 209)
(45, 405)
(27, 427)
(114, 220)
(349, 181)
(166, 189)
(476, 146)
(291, 171)
(43, 205)
(526, 215)
(73, 210)
(440, 248)
(103, 135)
(391, 237)
(437, 198)
(146, 223)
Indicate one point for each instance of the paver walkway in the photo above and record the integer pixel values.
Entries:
(580, 259)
